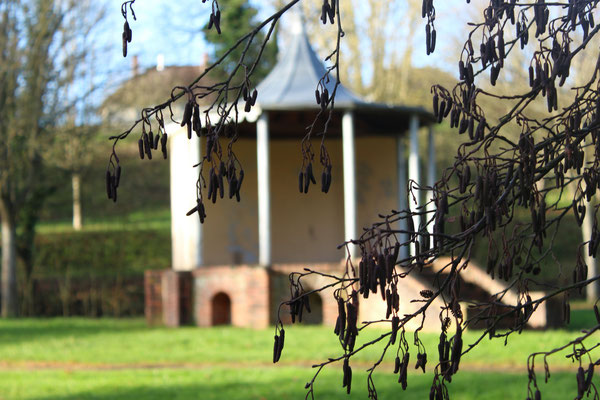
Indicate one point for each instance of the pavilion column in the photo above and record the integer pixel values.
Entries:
(264, 194)
(431, 178)
(591, 291)
(401, 167)
(414, 173)
(186, 232)
(349, 156)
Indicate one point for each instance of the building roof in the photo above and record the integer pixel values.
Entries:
(146, 89)
(292, 82)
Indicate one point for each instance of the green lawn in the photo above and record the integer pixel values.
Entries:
(258, 383)
(157, 219)
(124, 359)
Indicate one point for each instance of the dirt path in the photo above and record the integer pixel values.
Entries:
(81, 366)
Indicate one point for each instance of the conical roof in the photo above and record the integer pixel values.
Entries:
(292, 82)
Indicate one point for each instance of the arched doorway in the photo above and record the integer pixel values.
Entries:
(315, 316)
(221, 309)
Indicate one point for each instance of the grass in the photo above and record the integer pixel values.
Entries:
(259, 383)
(159, 219)
(124, 359)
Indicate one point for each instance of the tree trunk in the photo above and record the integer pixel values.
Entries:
(9, 263)
(77, 220)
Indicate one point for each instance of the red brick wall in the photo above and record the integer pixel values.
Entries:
(153, 297)
(247, 288)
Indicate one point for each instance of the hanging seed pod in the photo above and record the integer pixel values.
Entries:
(501, 51)
(217, 21)
(347, 380)
(390, 265)
(462, 73)
(588, 379)
(494, 72)
(464, 125)
(397, 365)
(163, 145)
(395, 325)
(404, 370)
(470, 74)
(215, 186)
(580, 382)
(479, 132)
(211, 181)
(323, 181)
(156, 141)
(428, 39)
(124, 44)
(187, 113)
(221, 174)
(301, 182)
(193, 210)
(306, 303)
(381, 275)
(275, 348)
(324, 12)
(341, 317)
(281, 343)
(141, 147)
(196, 123)
(306, 182)
(331, 15)
(210, 143)
(324, 98)
(189, 130)
(232, 186)
(109, 185)
(127, 33)
(239, 185)
(421, 361)
(318, 96)
(118, 176)
(201, 211)
(328, 185)
(456, 350)
(309, 173)
(442, 111)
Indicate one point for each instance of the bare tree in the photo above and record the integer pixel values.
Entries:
(517, 161)
(35, 43)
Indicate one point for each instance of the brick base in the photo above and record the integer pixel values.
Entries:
(249, 296)
(168, 297)
(246, 288)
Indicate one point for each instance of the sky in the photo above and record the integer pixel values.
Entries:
(172, 29)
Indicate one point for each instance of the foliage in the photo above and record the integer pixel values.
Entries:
(239, 16)
(495, 175)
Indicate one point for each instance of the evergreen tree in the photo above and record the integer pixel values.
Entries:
(240, 17)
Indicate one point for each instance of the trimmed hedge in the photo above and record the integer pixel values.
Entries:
(93, 273)
(81, 254)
